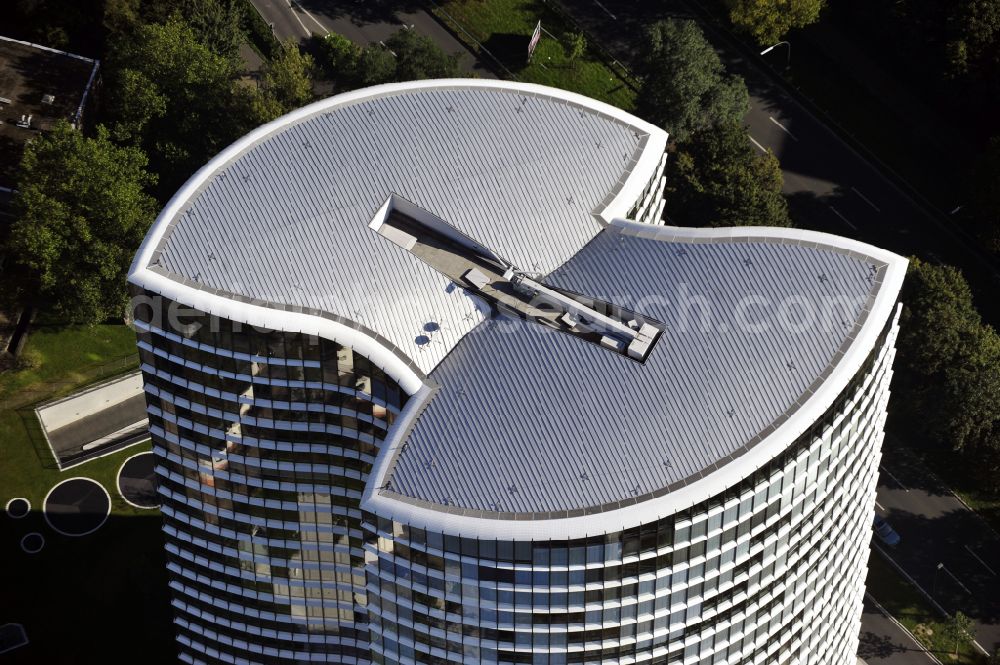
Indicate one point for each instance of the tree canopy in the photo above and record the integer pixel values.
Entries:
(338, 57)
(949, 368)
(182, 102)
(285, 83)
(81, 211)
(685, 87)
(958, 629)
(172, 95)
(718, 179)
(939, 319)
(216, 24)
(418, 57)
(767, 21)
(406, 56)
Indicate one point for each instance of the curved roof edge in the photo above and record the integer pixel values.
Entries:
(526, 528)
(291, 319)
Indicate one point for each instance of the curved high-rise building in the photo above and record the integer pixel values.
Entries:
(430, 381)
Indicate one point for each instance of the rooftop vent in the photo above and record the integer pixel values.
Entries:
(481, 271)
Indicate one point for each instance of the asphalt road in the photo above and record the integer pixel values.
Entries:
(831, 187)
(936, 528)
(363, 22)
(883, 642)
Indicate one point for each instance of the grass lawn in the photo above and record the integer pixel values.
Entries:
(102, 597)
(504, 28)
(910, 608)
(72, 355)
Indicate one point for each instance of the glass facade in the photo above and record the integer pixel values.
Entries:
(265, 440)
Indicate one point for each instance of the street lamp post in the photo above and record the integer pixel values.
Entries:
(788, 63)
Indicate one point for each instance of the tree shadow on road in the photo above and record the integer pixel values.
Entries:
(877, 646)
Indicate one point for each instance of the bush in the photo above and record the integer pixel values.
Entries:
(258, 30)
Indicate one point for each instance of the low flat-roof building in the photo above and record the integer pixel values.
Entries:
(429, 381)
(40, 83)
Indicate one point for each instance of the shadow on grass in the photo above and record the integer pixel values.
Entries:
(99, 598)
(33, 433)
(510, 49)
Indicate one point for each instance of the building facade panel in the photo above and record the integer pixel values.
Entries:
(264, 441)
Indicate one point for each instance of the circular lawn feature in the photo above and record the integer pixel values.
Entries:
(33, 543)
(137, 481)
(76, 506)
(17, 508)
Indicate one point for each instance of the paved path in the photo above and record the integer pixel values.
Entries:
(363, 23)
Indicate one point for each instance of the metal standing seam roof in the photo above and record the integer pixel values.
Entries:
(563, 427)
(286, 222)
(510, 421)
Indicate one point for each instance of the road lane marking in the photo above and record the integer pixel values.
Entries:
(865, 199)
(783, 128)
(894, 478)
(952, 576)
(976, 557)
(880, 506)
(902, 628)
(613, 17)
(307, 31)
(307, 13)
(763, 149)
(846, 221)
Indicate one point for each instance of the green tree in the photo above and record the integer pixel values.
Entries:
(81, 211)
(339, 57)
(172, 95)
(949, 369)
(418, 57)
(285, 85)
(958, 629)
(939, 319)
(975, 37)
(767, 21)
(684, 83)
(217, 24)
(376, 65)
(288, 77)
(576, 45)
(968, 414)
(718, 179)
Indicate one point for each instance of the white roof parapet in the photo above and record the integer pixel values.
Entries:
(458, 520)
